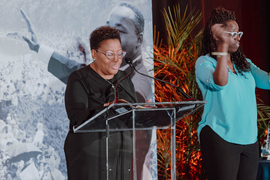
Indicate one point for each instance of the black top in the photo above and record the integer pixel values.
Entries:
(87, 92)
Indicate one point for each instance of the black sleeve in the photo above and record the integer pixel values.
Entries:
(61, 67)
(76, 101)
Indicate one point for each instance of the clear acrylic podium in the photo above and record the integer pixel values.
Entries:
(136, 117)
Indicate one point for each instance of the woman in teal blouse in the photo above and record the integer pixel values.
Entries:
(227, 79)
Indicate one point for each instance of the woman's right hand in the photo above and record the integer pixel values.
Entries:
(222, 39)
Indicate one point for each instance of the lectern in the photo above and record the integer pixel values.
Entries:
(136, 116)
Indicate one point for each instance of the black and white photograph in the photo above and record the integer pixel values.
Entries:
(41, 43)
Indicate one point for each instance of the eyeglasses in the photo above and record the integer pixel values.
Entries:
(234, 34)
(110, 55)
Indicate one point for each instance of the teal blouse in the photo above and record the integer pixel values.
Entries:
(231, 110)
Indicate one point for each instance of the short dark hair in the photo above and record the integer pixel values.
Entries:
(220, 16)
(139, 18)
(101, 34)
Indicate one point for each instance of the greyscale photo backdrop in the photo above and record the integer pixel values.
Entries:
(33, 120)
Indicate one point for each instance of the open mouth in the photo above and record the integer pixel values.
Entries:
(115, 67)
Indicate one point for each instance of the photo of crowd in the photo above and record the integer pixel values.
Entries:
(24, 147)
(33, 120)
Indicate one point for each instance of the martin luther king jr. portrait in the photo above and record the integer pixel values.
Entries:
(129, 20)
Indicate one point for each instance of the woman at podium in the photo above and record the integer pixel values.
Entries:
(89, 90)
(227, 79)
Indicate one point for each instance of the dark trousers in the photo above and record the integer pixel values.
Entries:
(227, 161)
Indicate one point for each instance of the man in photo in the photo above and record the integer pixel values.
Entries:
(125, 17)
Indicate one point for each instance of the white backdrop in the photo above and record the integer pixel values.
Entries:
(32, 100)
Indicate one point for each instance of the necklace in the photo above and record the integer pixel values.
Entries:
(94, 68)
(109, 82)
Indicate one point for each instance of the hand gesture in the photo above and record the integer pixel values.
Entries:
(33, 43)
(147, 105)
(219, 35)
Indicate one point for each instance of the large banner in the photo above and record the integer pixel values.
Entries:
(33, 120)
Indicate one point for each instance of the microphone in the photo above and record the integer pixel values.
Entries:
(129, 61)
(115, 87)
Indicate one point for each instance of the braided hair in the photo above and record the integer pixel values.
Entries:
(221, 15)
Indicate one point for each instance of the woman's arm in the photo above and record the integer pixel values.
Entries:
(76, 101)
(205, 67)
(261, 77)
(220, 74)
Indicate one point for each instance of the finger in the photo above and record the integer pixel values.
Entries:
(34, 37)
(29, 26)
(217, 25)
(148, 101)
(26, 18)
(23, 13)
(215, 37)
(26, 39)
(29, 42)
(148, 106)
(28, 22)
(216, 28)
(218, 32)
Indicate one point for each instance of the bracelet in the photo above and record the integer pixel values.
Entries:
(218, 54)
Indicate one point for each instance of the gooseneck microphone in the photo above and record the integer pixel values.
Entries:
(115, 87)
(129, 61)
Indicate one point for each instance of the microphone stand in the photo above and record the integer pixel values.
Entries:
(115, 89)
(129, 61)
(107, 123)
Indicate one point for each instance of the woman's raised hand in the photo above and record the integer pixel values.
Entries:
(219, 35)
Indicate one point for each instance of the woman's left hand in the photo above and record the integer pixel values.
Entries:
(148, 105)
